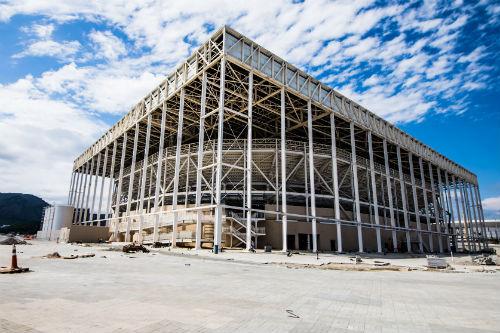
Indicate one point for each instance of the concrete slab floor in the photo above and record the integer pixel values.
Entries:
(117, 292)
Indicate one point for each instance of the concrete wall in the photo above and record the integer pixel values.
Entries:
(328, 233)
(84, 233)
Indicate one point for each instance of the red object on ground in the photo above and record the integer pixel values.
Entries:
(13, 264)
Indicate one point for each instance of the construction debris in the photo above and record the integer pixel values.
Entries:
(56, 255)
(484, 260)
(13, 241)
(356, 259)
(133, 248)
(381, 263)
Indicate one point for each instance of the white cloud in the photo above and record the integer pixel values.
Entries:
(40, 138)
(107, 45)
(492, 206)
(44, 45)
(50, 48)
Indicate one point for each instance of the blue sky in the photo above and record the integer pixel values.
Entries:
(69, 70)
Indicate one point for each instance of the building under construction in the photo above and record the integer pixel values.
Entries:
(238, 148)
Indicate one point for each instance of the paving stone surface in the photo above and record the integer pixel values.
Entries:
(158, 292)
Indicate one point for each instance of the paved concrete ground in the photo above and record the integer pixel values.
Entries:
(156, 292)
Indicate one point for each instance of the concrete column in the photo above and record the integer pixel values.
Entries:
(131, 182)
(389, 196)
(460, 227)
(426, 203)
(284, 216)
(120, 184)
(199, 168)
(354, 166)
(415, 204)
(103, 178)
(403, 199)
(158, 173)
(175, 195)
(374, 192)
(311, 177)
(335, 177)
(218, 170)
(144, 175)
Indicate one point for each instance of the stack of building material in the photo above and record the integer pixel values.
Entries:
(436, 262)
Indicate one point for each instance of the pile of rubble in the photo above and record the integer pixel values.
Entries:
(133, 248)
(13, 241)
(484, 260)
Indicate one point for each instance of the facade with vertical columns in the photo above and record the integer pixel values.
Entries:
(238, 148)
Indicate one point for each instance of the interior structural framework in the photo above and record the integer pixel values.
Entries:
(238, 148)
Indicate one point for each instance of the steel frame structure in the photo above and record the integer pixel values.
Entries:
(235, 129)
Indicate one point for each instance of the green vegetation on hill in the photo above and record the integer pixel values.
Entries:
(20, 212)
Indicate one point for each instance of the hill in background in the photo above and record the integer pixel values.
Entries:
(20, 212)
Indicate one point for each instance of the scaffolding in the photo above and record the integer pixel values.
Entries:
(237, 145)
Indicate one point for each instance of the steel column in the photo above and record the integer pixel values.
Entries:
(374, 193)
(356, 189)
(144, 175)
(467, 217)
(120, 184)
(389, 196)
(460, 227)
(131, 183)
(426, 203)
(336, 202)
(415, 204)
(71, 187)
(473, 208)
(175, 195)
(111, 182)
(284, 217)
(84, 217)
(443, 203)
(92, 210)
(199, 168)
(451, 211)
(403, 199)
(218, 171)
(436, 209)
(103, 178)
(481, 213)
(311, 177)
(249, 163)
(159, 173)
